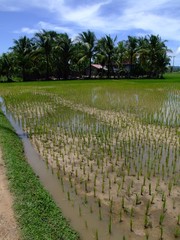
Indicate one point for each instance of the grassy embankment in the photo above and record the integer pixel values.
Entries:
(37, 215)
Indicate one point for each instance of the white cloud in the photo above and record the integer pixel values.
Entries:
(141, 5)
(82, 14)
(177, 52)
(150, 17)
(49, 26)
(102, 16)
(26, 30)
(44, 25)
(20, 5)
(164, 26)
(154, 16)
(51, 5)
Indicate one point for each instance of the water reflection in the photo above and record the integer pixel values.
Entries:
(169, 113)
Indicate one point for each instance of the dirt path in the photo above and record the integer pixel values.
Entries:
(8, 225)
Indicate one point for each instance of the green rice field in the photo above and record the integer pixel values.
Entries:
(116, 142)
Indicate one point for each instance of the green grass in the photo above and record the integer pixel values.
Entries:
(36, 213)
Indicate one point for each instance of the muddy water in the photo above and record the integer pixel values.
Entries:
(77, 212)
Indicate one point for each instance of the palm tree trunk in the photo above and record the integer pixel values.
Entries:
(131, 62)
(23, 73)
(109, 60)
(90, 67)
(47, 67)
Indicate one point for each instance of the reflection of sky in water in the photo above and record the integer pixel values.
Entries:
(114, 99)
(80, 123)
(94, 96)
(169, 113)
(137, 98)
(1, 100)
(2, 104)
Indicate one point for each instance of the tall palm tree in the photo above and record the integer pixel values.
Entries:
(88, 39)
(106, 49)
(157, 53)
(22, 49)
(142, 52)
(77, 64)
(44, 41)
(131, 46)
(63, 52)
(121, 53)
(6, 65)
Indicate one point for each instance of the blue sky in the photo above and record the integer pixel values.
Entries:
(114, 17)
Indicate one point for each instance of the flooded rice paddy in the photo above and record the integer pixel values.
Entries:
(110, 157)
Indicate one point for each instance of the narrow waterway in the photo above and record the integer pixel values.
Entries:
(78, 213)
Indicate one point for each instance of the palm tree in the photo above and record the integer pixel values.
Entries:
(6, 65)
(157, 53)
(78, 66)
(121, 56)
(63, 53)
(142, 57)
(106, 51)
(22, 49)
(88, 39)
(44, 41)
(131, 46)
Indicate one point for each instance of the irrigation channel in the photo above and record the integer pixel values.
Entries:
(81, 219)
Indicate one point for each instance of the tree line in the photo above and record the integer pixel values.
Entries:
(51, 55)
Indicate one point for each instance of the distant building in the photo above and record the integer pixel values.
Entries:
(97, 70)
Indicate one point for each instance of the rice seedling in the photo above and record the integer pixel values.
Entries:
(110, 225)
(146, 221)
(137, 201)
(111, 206)
(120, 215)
(149, 188)
(131, 224)
(147, 235)
(152, 199)
(161, 233)
(177, 232)
(91, 209)
(80, 211)
(161, 219)
(147, 208)
(100, 214)
(97, 235)
(122, 203)
(178, 219)
(68, 195)
(174, 204)
(86, 224)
